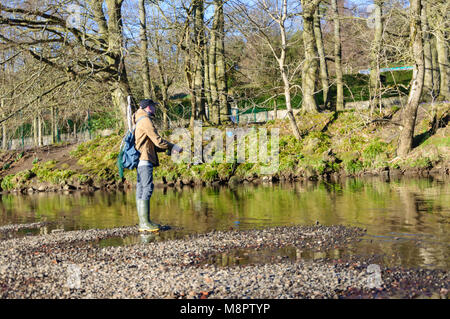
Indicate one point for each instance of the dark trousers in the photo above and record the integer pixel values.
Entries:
(144, 187)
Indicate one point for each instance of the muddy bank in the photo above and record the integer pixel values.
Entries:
(71, 265)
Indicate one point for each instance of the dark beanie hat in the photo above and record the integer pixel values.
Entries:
(147, 102)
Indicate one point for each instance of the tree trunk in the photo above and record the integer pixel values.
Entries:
(428, 83)
(35, 131)
(221, 75)
(164, 82)
(443, 62)
(145, 68)
(410, 110)
(310, 66)
(287, 96)
(275, 109)
(199, 74)
(75, 130)
(374, 80)
(214, 106)
(338, 57)
(322, 60)
(120, 87)
(165, 105)
(52, 124)
(435, 63)
(282, 65)
(4, 137)
(119, 98)
(207, 83)
(40, 136)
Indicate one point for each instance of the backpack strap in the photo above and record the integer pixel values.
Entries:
(139, 119)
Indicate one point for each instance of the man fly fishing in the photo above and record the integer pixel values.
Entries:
(148, 143)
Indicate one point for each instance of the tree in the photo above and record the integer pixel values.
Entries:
(338, 56)
(78, 50)
(409, 112)
(280, 18)
(214, 106)
(440, 27)
(374, 80)
(310, 64)
(427, 50)
(162, 42)
(147, 84)
(221, 75)
(323, 68)
(199, 68)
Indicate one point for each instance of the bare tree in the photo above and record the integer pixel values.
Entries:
(214, 105)
(410, 110)
(147, 83)
(375, 55)
(338, 56)
(278, 13)
(221, 75)
(310, 64)
(93, 49)
(323, 68)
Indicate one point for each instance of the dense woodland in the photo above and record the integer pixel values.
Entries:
(66, 66)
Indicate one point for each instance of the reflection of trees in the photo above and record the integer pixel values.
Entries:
(406, 207)
(409, 213)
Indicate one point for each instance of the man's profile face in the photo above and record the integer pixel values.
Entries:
(152, 109)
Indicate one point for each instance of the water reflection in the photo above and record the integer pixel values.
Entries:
(407, 220)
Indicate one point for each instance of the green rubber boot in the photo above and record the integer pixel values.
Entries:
(145, 224)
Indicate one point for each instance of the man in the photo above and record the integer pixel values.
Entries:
(148, 143)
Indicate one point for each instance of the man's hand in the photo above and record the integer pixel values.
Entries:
(177, 149)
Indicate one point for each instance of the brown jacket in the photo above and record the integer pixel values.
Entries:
(148, 140)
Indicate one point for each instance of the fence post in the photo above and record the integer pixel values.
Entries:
(89, 124)
(2, 102)
(21, 131)
(40, 137)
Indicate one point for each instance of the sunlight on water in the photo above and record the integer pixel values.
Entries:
(407, 221)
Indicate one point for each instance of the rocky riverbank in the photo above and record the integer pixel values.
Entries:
(72, 265)
(90, 185)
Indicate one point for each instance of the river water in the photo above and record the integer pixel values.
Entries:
(407, 221)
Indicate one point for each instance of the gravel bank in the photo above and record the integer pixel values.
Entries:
(70, 265)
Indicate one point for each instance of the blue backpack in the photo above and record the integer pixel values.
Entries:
(129, 155)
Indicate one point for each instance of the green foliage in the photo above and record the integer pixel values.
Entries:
(103, 121)
(7, 182)
(375, 148)
(99, 156)
(47, 173)
(210, 175)
(16, 180)
(19, 156)
(421, 162)
(353, 166)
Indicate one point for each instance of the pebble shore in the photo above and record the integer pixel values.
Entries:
(70, 265)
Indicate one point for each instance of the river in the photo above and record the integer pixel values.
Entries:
(407, 221)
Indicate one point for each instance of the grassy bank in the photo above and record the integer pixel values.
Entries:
(333, 144)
